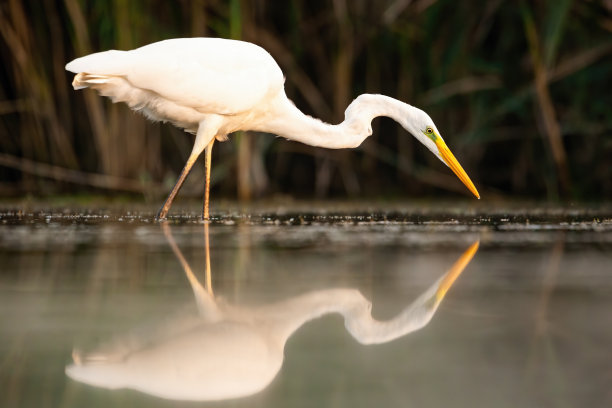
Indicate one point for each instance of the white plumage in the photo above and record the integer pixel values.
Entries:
(213, 87)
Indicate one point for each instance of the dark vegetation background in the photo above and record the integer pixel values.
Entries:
(521, 91)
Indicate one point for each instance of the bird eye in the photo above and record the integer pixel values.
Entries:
(429, 130)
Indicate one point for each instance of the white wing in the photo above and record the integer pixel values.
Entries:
(211, 75)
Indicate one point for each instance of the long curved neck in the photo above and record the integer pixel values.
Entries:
(288, 121)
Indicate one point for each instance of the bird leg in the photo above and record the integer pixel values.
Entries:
(206, 132)
(208, 163)
(163, 211)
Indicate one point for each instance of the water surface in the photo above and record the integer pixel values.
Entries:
(282, 316)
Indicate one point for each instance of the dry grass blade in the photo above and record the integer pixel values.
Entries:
(462, 86)
(92, 102)
(41, 120)
(77, 177)
(551, 125)
(578, 62)
(296, 75)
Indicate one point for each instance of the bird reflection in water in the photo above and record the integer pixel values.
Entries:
(228, 351)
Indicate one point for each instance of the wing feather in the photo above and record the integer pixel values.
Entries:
(208, 74)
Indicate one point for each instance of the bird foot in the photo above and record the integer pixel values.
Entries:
(162, 214)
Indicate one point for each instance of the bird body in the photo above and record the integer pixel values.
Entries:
(185, 80)
(212, 87)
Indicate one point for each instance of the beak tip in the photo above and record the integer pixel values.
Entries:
(454, 165)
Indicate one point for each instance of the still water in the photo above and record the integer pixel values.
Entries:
(355, 309)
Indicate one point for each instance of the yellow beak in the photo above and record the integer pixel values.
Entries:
(454, 165)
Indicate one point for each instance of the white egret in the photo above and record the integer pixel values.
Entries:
(212, 87)
(230, 351)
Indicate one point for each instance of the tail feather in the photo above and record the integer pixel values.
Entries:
(86, 80)
(117, 88)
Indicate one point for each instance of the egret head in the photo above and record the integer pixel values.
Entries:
(423, 128)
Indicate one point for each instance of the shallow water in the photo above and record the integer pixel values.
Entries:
(97, 305)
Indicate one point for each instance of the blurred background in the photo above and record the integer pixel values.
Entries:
(520, 91)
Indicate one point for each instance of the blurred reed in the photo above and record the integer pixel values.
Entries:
(518, 89)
